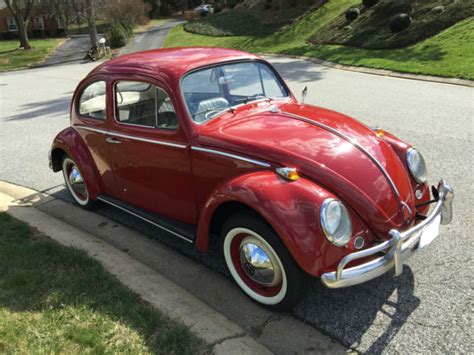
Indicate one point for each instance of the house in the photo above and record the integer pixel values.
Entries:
(40, 24)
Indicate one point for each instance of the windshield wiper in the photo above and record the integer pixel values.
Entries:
(257, 97)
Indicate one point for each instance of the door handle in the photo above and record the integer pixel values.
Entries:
(113, 140)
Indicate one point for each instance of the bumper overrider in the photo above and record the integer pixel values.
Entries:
(399, 248)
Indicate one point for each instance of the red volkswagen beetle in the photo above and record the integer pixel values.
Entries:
(210, 143)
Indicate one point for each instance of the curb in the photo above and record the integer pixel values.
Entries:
(379, 72)
(225, 336)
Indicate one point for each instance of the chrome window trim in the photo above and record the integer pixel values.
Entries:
(234, 156)
(354, 143)
(146, 220)
(126, 136)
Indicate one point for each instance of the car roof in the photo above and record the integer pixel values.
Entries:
(170, 62)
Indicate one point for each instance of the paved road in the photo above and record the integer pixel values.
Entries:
(150, 39)
(427, 309)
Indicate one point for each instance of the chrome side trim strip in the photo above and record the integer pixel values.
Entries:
(354, 143)
(97, 130)
(146, 220)
(126, 136)
(152, 141)
(248, 160)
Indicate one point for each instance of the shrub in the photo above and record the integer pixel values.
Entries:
(369, 3)
(126, 27)
(232, 3)
(352, 14)
(438, 9)
(118, 35)
(400, 22)
(230, 23)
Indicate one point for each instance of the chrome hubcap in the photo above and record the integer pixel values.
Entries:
(258, 263)
(76, 181)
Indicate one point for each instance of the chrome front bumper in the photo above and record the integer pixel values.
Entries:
(397, 250)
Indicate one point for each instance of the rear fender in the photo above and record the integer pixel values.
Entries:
(291, 208)
(71, 143)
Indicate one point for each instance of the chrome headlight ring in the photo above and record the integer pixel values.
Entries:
(336, 222)
(416, 165)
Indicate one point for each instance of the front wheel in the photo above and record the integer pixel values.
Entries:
(260, 264)
(76, 184)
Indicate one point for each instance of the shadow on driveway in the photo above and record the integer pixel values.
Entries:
(50, 108)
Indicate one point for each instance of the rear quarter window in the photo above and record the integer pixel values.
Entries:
(92, 102)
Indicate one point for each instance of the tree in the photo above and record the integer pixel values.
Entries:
(22, 10)
(132, 12)
(61, 10)
(91, 23)
(155, 8)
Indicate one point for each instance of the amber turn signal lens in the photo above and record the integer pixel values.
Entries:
(379, 132)
(289, 174)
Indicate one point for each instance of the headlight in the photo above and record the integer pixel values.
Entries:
(416, 165)
(336, 222)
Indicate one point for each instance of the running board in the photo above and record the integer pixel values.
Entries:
(181, 230)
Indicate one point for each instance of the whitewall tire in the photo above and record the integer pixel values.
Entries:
(260, 264)
(75, 183)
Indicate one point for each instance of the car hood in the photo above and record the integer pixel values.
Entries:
(334, 150)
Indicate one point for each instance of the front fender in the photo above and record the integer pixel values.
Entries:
(71, 143)
(291, 208)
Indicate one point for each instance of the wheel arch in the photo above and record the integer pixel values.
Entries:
(69, 142)
(227, 209)
(290, 208)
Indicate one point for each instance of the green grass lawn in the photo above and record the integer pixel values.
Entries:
(231, 23)
(13, 58)
(449, 53)
(371, 29)
(55, 299)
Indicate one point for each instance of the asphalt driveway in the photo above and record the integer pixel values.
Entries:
(73, 50)
(151, 39)
(428, 309)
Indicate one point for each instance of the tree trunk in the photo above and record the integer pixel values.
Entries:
(91, 23)
(76, 15)
(23, 32)
(22, 16)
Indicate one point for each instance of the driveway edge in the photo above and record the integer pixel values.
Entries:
(225, 336)
(379, 72)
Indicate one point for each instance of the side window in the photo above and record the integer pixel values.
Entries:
(92, 102)
(144, 105)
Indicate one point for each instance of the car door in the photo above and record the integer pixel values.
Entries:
(90, 112)
(148, 150)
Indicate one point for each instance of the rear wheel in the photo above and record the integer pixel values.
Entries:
(260, 264)
(75, 183)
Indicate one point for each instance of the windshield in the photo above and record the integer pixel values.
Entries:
(208, 92)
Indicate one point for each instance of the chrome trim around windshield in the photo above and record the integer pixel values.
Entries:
(229, 62)
(354, 143)
(218, 152)
(126, 136)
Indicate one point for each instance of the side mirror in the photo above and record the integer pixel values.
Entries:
(304, 94)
